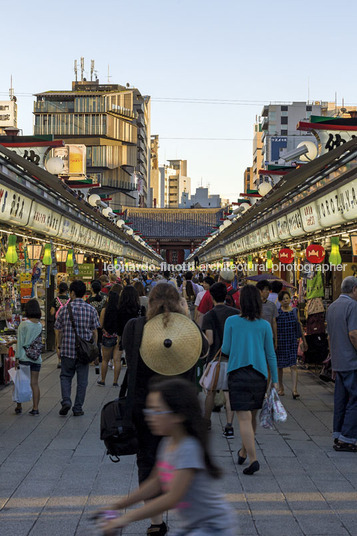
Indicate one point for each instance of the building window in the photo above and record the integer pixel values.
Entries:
(284, 120)
(283, 133)
(284, 108)
(309, 108)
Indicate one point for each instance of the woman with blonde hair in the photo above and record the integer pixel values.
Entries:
(164, 300)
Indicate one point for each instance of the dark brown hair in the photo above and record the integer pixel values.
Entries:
(164, 299)
(250, 302)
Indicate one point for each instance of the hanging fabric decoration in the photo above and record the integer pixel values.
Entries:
(27, 260)
(54, 270)
(47, 256)
(11, 254)
(315, 286)
(36, 275)
(75, 264)
(269, 261)
(335, 255)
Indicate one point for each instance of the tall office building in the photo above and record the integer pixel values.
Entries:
(113, 122)
(175, 184)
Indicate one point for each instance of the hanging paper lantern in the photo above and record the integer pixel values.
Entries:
(11, 254)
(47, 256)
(335, 256)
(286, 256)
(315, 253)
(70, 259)
(269, 261)
(80, 258)
(61, 255)
(250, 262)
(34, 252)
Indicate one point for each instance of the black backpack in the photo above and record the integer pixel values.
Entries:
(116, 426)
(229, 298)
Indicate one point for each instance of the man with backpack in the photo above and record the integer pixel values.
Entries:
(232, 298)
(213, 326)
(86, 323)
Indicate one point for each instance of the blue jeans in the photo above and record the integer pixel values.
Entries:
(68, 369)
(345, 410)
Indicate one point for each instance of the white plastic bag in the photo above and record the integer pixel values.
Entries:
(21, 377)
(279, 412)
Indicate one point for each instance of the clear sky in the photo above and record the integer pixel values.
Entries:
(252, 52)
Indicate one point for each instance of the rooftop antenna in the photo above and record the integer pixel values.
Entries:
(308, 90)
(109, 77)
(82, 68)
(76, 70)
(11, 90)
(91, 69)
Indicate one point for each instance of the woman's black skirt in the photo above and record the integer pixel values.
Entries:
(247, 389)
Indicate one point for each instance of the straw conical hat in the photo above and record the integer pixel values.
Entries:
(173, 349)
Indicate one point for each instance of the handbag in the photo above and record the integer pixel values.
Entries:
(86, 351)
(116, 425)
(210, 376)
(33, 351)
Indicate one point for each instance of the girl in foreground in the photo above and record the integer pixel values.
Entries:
(184, 470)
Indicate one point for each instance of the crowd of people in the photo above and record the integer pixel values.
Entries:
(190, 318)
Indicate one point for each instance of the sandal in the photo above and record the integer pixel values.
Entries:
(341, 446)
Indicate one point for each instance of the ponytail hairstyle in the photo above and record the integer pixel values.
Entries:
(181, 397)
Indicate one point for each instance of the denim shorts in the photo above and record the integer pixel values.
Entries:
(34, 367)
(109, 342)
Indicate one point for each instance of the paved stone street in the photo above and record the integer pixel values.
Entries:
(54, 471)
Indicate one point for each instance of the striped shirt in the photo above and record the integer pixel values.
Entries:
(86, 321)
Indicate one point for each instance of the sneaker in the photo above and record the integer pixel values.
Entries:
(228, 432)
(115, 384)
(78, 413)
(110, 364)
(99, 382)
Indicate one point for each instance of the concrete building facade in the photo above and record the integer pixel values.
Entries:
(203, 199)
(175, 184)
(113, 122)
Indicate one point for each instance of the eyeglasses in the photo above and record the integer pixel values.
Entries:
(151, 412)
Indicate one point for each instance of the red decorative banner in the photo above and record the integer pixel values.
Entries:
(286, 256)
(315, 253)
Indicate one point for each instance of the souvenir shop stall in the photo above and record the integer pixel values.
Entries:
(45, 235)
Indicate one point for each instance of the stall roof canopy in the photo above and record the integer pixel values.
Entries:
(305, 175)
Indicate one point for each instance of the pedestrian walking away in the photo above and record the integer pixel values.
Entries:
(342, 331)
(248, 340)
(164, 301)
(86, 322)
(184, 474)
(30, 332)
(213, 327)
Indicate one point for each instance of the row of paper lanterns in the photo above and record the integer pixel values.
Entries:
(34, 253)
(315, 253)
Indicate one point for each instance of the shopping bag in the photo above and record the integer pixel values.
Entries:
(279, 412)
(266, 413)
(22, 391)
(210, 376)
